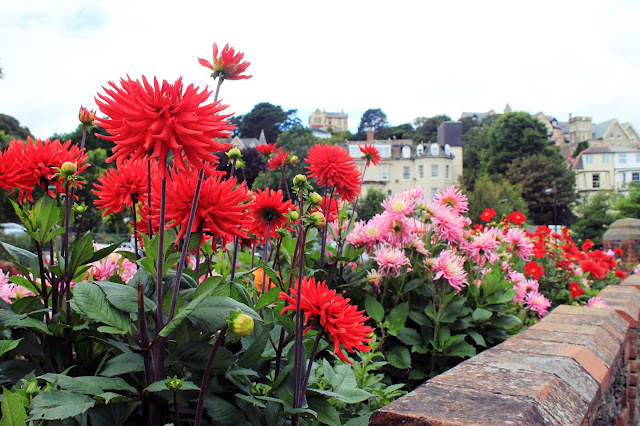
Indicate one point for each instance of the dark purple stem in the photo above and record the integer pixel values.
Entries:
(298, 346)
(144, 336)
(264, 257)
(311, 358)
(207, 372)
(149, 197)
(159, 355)
(135, 232)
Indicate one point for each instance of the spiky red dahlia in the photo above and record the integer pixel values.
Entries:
(121, 187)
(40, 160)
(332, 166)
(269, 209)
(279, 160)
(342, 321)
(267, 149)
(370, 154)
(222, 205)
(9, 165)
(227, 65)
(148, 120)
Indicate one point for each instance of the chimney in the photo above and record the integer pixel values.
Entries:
(370, 136)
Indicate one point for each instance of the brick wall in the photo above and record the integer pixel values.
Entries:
(578, 366)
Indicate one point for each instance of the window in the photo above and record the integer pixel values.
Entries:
(434, 171)
(595, 180)
(389, 192)
(637, 157)
(406, 172)
(623, 158)
(385, 151)
(584, 180)
(317, 120)
(588, 159)
(384, 172)
(406, 151)
(420, 150)
(354, 151)
(605, 158)
(611, 134)
(434, 150)
(584, 138)
(619, 135)
(420, 171)
(434, 191)
(635, 177)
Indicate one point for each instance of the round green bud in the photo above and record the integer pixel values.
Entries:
(315, 198)
(234, 153)
(243, 325)
(293, 159)
(299, 180)
(69, 168)
(318, 219)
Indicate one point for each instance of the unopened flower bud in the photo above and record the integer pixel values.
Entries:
(294, 215)
(293, 159)
(299, 180)
(234, 154)
(315, 198)
(318, 219)
(242, 325)
(32, 388)
(69, 168)
(173, 383)
(240, 164)
(86, 116)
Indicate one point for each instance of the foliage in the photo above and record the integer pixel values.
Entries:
(373, 119)
(513, 135)
(539, 176)
(253, 165)
(475, 142)
(582, 145)
(10, 129)
(629, 205)
(371, 204)
(427, 128)
(268, 117)
(498, 193)
(594, 218)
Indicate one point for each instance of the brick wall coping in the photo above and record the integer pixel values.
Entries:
(577, 366)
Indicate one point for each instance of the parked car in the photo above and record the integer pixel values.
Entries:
(12, 228)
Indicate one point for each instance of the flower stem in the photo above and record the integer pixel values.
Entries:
(264, 258)
(234, 259)
(149, 197)
(144, 336)
(298, 346)
(311, 358)
(135, 232)
(326, 205)
(185, 246)
(207, 372)
(159, 354)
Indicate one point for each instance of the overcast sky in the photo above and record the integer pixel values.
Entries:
(409, 58)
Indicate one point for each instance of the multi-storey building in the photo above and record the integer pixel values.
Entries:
(406, 164)
(610, 168)
(335, 122)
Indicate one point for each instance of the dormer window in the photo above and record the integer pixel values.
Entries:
(420, 150)
(434, 150)
(406, 151)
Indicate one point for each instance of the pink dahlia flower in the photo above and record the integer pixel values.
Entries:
(537, 302)
(450, 266)
(390, 260)
(597, 302)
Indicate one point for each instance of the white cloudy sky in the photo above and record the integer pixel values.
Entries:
(409, 58)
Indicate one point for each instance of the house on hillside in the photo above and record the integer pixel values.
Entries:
(557, 131)
(600, 168)
(242, 143)
(609, 133)
(406, 164)
(477, 116)
(335, 122)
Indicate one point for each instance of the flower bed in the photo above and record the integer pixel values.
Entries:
(249, 307)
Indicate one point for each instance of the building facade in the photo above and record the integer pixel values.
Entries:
(406, 164)
(335, 122)
(602, 168)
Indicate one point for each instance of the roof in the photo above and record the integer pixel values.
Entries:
(564, 126)
(336, 115)
(599, 130)
(450, 132)
(478, 115)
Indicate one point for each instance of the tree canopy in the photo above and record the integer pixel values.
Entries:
(268, 117)
(496, 193)
(427, 128)
(10, 129)
(594, 218)
(629, 206)
(372, 119)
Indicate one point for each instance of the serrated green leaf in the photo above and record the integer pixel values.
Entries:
(507, 296)
(13, 411)
(56, 405)
(399, 357)
(253, 353)
(480, 314)
(105, 251)
(93, 304)
(8, 345)
(268, 298)
(221, 410)
(506, 322)
(124, 363)
(460, 349)
(124, 297)
(327, 414)
(184, 313)
(409, 336)
(209, 315)
(452, 311)
(477, 337)
(374, 309)
(12, 320)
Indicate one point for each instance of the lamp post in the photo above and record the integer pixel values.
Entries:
(554, 191)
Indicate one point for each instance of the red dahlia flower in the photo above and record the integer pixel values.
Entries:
(587, 245)
(279, 161)
(150, 120)
(222, 206)
(575, 289)
(533, 268)
(488, 214)
(227, 65)
(267, 149)
(371, 154)
(618, 251)
(269, 209)
(39, 161)
(337, 317)
(10, 165)
(331, 165)
(620, 274)
(121, 187)
(593, 268)
(517, 218)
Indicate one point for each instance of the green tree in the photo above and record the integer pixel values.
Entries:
(371, 204)
(372, 119)
(270, 118)
(582, 145)
(427, 128)
(10, 129)
(496, 193)
(594, 218)
(539, 175)
(628, 206)
(475, 142)
(401, 131)
(513, 135)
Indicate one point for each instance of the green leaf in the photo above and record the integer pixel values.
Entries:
(268, 298)
(8, 345)
(17, 279)
(124, 363)
(430, 311)
(80, 252)
(13, 412)
(93, 304)
(374, 309)
(17, 254)
(327, 414)
(161, 385)
(359, 421)
(209, 315)
(12, 320)
(56, 404)
(253, 353)
(452, 311)
(104, 252)
(506, 322)
(460, 349)
(480, 314)
(124, 297)
(409, 336)
(397, 318)
(474, 290)
(90, 385)
(184, 313)
(399, 357)
(477, 337)
(498, 299)
(221, 410)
